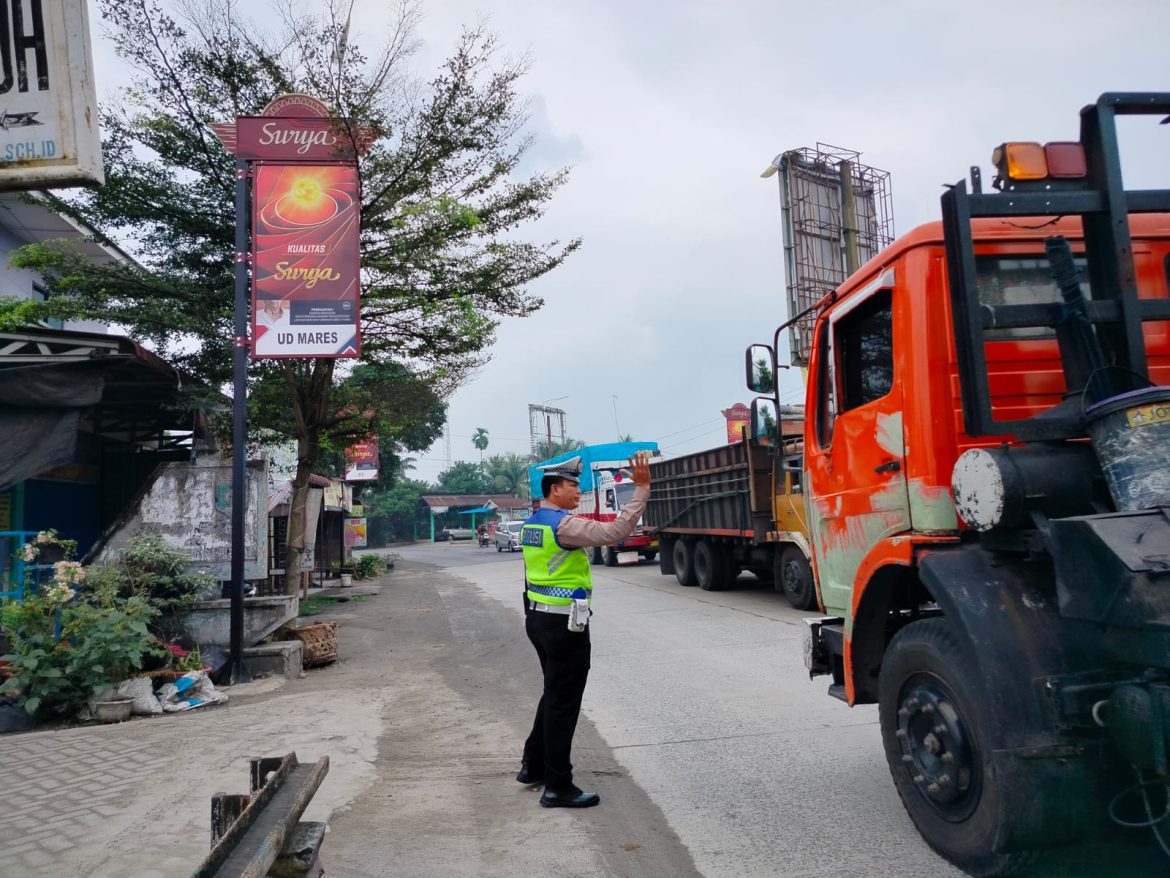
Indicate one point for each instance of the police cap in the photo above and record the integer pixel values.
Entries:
(567, 469)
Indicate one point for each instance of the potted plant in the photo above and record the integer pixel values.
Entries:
(72, 647)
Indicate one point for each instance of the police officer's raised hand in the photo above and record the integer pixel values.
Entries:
(639, 469)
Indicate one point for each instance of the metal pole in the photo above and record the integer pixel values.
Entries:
(849, 219)
(237, 673)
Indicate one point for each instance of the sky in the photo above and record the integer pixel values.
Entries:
(667, 114)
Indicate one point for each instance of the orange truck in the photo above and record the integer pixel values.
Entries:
(987, 485)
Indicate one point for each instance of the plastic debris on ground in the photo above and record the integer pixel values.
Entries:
(190, 691)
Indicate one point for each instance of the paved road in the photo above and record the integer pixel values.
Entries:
(703, 698)
(713, 754)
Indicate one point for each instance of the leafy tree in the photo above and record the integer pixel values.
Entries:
(441, 205)
(463, 478)
(546, 450)
(509, 474)
(395, 511)
(763, 370)
(480, 441)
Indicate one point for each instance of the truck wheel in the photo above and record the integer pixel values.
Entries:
(710, 566)
(938, 736)
(611, 557)
(650, 556)
(595, 556)
(683, 555)
(794, 577)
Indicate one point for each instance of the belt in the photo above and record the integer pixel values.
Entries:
(561, 609)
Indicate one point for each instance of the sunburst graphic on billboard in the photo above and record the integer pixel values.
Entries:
(306, 197)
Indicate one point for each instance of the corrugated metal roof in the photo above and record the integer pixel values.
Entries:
(458, 501)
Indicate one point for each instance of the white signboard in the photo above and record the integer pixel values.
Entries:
(48, 104)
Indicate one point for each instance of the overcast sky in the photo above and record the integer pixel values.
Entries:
(668, 112)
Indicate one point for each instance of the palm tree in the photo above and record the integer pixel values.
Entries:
(509, 474)
(545, 450)
(480, 441)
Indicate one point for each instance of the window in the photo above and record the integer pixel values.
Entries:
(1021, 280)
(863, 340)
(826, 395)
(42, 295)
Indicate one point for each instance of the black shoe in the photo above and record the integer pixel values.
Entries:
(529, 775)
(573, 798)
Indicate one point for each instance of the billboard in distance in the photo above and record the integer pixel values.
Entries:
(305, 244)
(836, 214)
(361, 461)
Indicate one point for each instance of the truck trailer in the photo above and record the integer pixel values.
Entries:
(734, 508)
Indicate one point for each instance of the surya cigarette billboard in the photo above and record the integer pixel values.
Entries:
(48, 106)
(306, 257)
(361, 461)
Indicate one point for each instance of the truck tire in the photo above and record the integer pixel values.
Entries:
(651, 555)
(683, 555)
(794, 577)
(939, 735)
(611, 557)
(710, 566)
(595, 556)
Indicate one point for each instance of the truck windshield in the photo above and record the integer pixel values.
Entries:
(625, 491)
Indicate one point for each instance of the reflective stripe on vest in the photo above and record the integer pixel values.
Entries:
(555, 574)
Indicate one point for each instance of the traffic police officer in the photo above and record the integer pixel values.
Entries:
(558, 587)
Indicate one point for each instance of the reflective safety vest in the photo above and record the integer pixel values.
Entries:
(555, 574)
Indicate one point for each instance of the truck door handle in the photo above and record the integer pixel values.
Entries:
(890, 466)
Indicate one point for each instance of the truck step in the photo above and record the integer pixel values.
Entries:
(837, 690)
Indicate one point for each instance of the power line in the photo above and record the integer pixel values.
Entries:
(687, 429)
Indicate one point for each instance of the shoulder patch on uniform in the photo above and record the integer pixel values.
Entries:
(532, 536)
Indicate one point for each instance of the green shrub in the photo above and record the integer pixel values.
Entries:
(367, 566)
(150, 568)
(98, 646)
(108, 616)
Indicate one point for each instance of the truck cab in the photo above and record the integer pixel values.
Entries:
(987, 485)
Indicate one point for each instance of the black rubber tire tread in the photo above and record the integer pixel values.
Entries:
(611, 557)
(683, 554)
(803, 594)
(650, 556)
(595, 556)
(930, 646)
(710, 566)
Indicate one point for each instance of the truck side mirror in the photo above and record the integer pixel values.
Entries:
(761, 369)
(765, 423)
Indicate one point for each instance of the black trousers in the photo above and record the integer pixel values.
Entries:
(564, 660)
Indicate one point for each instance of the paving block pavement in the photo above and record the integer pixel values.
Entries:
(134, 799)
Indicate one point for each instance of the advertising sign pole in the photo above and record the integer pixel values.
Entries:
(237, 672)
(298, 266)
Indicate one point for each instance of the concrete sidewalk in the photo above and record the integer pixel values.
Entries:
(422, 718)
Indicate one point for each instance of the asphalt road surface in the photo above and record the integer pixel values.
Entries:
(703, 699)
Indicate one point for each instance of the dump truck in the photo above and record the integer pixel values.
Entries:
(733, 508)
(987, 479)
